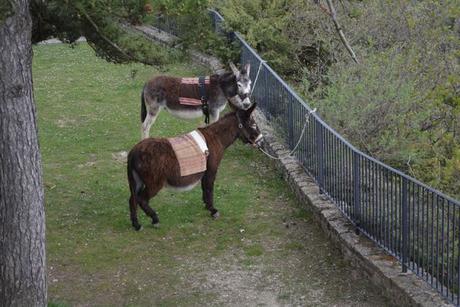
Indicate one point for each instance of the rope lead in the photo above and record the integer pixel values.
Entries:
(307, 117)
(257, 76)
(307, 120)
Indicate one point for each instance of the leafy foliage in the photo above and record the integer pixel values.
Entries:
(102, 22)
(284, 32)
(189, 19)
(401, 104)
(5, 10)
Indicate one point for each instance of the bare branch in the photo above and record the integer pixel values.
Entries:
(331, 12)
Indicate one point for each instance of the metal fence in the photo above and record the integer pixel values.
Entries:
(417, 224)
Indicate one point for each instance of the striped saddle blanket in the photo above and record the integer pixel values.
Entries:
(191, 152)
(189, 92)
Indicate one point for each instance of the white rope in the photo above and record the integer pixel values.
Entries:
(307, 117)
(307, 120)
(257, 76)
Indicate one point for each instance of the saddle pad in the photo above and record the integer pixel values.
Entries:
(189, 101)
(191, 152)
(207, 80)
(189, 92)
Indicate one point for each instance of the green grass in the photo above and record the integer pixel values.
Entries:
(254, 250)
(88, 110)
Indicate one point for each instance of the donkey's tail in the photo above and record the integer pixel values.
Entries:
(143, 107)
(135, 186)
(136, 183)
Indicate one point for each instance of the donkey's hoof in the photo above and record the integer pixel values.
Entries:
(215, 215)
(156, 225)
(137, 227)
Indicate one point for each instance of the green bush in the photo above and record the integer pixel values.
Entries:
(401, 104)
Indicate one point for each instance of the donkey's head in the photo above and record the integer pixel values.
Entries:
(243, 81)
(237, 87)
(248, 130)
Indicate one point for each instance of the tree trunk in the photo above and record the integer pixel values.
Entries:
(22, 216)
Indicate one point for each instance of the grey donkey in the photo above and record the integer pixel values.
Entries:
(183, 98)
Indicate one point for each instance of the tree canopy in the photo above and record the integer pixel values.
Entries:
(102, 23)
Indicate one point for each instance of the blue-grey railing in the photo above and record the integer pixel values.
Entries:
(417, 224)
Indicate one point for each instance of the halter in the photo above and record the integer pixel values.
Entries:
(241, 127)
(203, 98)
(237, 99)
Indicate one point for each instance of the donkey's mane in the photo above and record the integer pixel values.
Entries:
(225, 76)
(229, 114)
(223, 120)
(225, 127)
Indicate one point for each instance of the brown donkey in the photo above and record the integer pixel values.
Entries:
(153, 164)
(191, 98)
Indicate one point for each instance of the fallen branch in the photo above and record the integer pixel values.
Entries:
(105, 38)
(114, 45)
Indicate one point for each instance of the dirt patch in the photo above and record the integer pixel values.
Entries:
(120, 156)
(65, 122)
(295, 266)
(92, 160)
(239, 286)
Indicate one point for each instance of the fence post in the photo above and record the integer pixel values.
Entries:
(405, 225)
(320, 155)
(290, 124)
(213, 21)
(356, 188)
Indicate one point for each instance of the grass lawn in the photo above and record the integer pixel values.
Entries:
(262, 250)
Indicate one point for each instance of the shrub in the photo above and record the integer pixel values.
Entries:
(401, 104)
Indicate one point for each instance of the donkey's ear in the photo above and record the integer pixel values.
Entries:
(247, 69)
(235, 70)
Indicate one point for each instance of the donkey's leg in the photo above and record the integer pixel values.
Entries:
(203, 189)
(135, 186)
(152, 113)
(207, 186)
(133, 212)
(143, 199)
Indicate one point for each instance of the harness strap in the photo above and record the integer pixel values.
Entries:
(203, 98)
(200, 140)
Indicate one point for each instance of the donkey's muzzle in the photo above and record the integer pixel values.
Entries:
(258, 141)
(241, 101)
(246, 101)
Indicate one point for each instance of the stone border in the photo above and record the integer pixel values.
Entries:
(372, 262)
(53, 41)
(382, 269)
